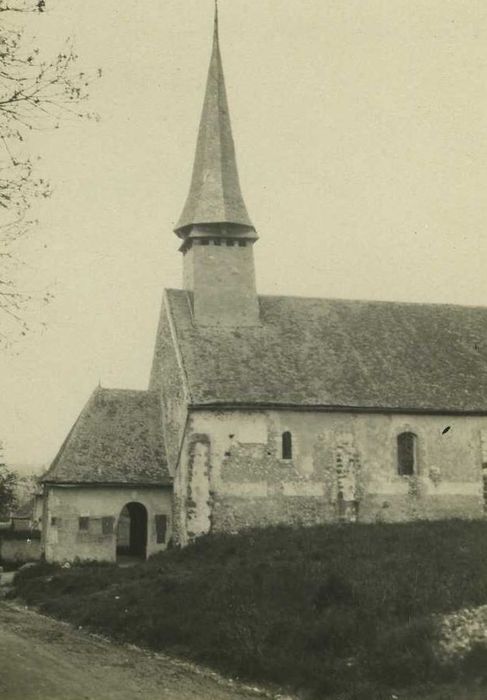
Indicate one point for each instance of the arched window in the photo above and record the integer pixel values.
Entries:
(406, 454)
(287, 445)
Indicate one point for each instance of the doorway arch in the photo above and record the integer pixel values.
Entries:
(132, 531)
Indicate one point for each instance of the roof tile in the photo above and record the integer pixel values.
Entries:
(116, 439)
(337, 353)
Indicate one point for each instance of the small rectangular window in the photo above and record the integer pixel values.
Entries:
(53, 520)
(230, 243)
(217, 241)
(107, 525)
(161, 527)
(242, 244)
(84, 523)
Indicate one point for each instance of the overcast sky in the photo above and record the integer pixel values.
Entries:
(361, 135)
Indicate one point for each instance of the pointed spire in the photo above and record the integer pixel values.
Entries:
(214, 195)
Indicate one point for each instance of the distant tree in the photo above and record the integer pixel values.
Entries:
(27, 486)
(8, 488)
(36, 93)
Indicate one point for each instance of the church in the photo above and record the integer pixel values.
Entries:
(263, 410)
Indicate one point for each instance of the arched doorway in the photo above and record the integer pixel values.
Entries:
(132, 531)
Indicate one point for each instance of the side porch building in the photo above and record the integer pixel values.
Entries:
(108, 492)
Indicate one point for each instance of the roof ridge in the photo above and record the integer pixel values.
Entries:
(397, 302)
(100, 389)
(385, 302)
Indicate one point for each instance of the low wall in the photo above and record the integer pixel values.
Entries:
(20, 546)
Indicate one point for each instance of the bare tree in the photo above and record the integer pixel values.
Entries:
(8, 486)
(36, 93)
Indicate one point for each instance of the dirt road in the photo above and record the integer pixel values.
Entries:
(42, 659)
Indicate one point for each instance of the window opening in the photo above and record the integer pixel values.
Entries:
(406, 454)
(161, 528)
(287, 445)
(107, 524)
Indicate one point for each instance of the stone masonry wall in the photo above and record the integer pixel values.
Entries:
(343, 467)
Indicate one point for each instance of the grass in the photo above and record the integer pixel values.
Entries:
(342, 611)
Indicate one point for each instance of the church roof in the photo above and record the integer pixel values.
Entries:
(338, 354)
(117, 439)
(214, 195)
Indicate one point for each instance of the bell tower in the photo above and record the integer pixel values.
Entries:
(215, 228)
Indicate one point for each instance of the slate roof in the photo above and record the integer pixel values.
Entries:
(215, 195)
(336, 353)
(116, 439)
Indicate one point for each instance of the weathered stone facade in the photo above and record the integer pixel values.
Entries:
(100, 508)
(344, 466)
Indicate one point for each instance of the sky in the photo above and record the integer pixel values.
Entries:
(361, 137)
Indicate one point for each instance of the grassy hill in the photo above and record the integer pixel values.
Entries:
(342, 611)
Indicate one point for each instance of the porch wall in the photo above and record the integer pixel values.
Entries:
(62, 539)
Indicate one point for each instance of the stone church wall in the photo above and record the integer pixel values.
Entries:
(100, 507)
(344, 466)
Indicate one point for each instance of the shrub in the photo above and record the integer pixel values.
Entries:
(474, 664)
